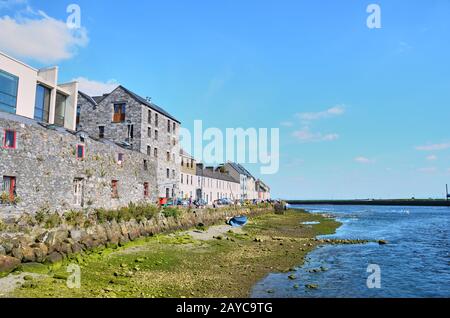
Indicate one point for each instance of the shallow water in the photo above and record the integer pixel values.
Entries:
(414, 263)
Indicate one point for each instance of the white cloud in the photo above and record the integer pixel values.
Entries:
(36, 36)
(305, 135)
(428, 170)
(431, 157)
(364, 160)
(331, 112)
(95, 88)
(434, 147)
(6, 4)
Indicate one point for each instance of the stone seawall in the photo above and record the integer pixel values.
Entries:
(51, 246)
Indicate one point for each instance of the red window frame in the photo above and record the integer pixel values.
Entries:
(14, 139)
(82, 153)
(12, 187)
(146, 188)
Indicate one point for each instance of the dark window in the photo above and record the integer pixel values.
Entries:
(114, 189)
(9, 141)
(101, 131)
(156, 135)
(120, 158)
(149, 132)
(168, 156)
(130, 132)
(174, 126)
(9, 187)
(167, 192)
(119, 113)
(80, 151)
(149, 151)
(168, 173)
(156, 120)
(181, 178)
(145, 165)
(146, 192)
(60, 109)
(42, 104)
(149, 117)
(8, 92)
(168, 125)
(155, 152)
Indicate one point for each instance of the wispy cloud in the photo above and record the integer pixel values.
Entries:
(431, 157)
(434, 147)
(428, 170)
(6, 4)
(331, 112)
(35, 35)
(95, 88)
(287, 124)
(305, 135)
(363, 160)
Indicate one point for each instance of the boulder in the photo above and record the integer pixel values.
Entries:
(28, 254)
(54, 257)
(8, 263)
(2, 250)
(40, 251)
(77, 248)
(76, 235)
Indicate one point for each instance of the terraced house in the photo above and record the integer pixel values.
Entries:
(135, 122)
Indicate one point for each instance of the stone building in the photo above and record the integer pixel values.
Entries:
(215, 183)
(47, 166)
(128, 119)
(246, 179)
(36, 94)
(188, 177)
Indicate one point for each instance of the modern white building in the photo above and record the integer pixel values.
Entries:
(214, 184)
(35, 94)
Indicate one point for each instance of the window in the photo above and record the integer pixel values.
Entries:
(181, 178)
(182, 162)
(149, 151)
(155, 152)
(80, 151)
(101, 131)
(156, 120)
(167, 192)
(146, 192)
(173, 157)
(168, 156)
(9, 187)
(42, 104)
(130, 132)
(156, 135)
(192, 163)
(168, 173)
(114, 189)
(145, 165)
(120, 158)
(60, 109)
(9, 141)
(149, 117)
(78, 191)
(174, 126)
(149, 132)
(119, 113)
(192, 180)
(8, 92)
(173, 174)
(168, 125)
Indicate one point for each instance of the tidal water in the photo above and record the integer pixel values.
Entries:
(414, 263)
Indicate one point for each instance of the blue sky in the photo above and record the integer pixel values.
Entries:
(363, 113)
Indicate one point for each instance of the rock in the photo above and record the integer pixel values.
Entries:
(8, 263)
(296, 286)
(311, 286)
(292, 277)
(258, 240)
(2, 250)
(76, 235)
(28, 277)
(17, 253)
(382, 242)
(54, 257)
(77, 248)
(8, 246)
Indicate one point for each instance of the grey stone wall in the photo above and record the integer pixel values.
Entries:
(137, 114)
(45, 167)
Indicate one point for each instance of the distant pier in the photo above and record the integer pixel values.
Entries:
(398, 202)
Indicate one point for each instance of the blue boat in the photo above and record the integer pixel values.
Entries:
(238, 221)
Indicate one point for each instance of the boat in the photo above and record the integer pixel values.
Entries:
(238, 221)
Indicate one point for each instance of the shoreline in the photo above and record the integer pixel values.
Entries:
(179, 265)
